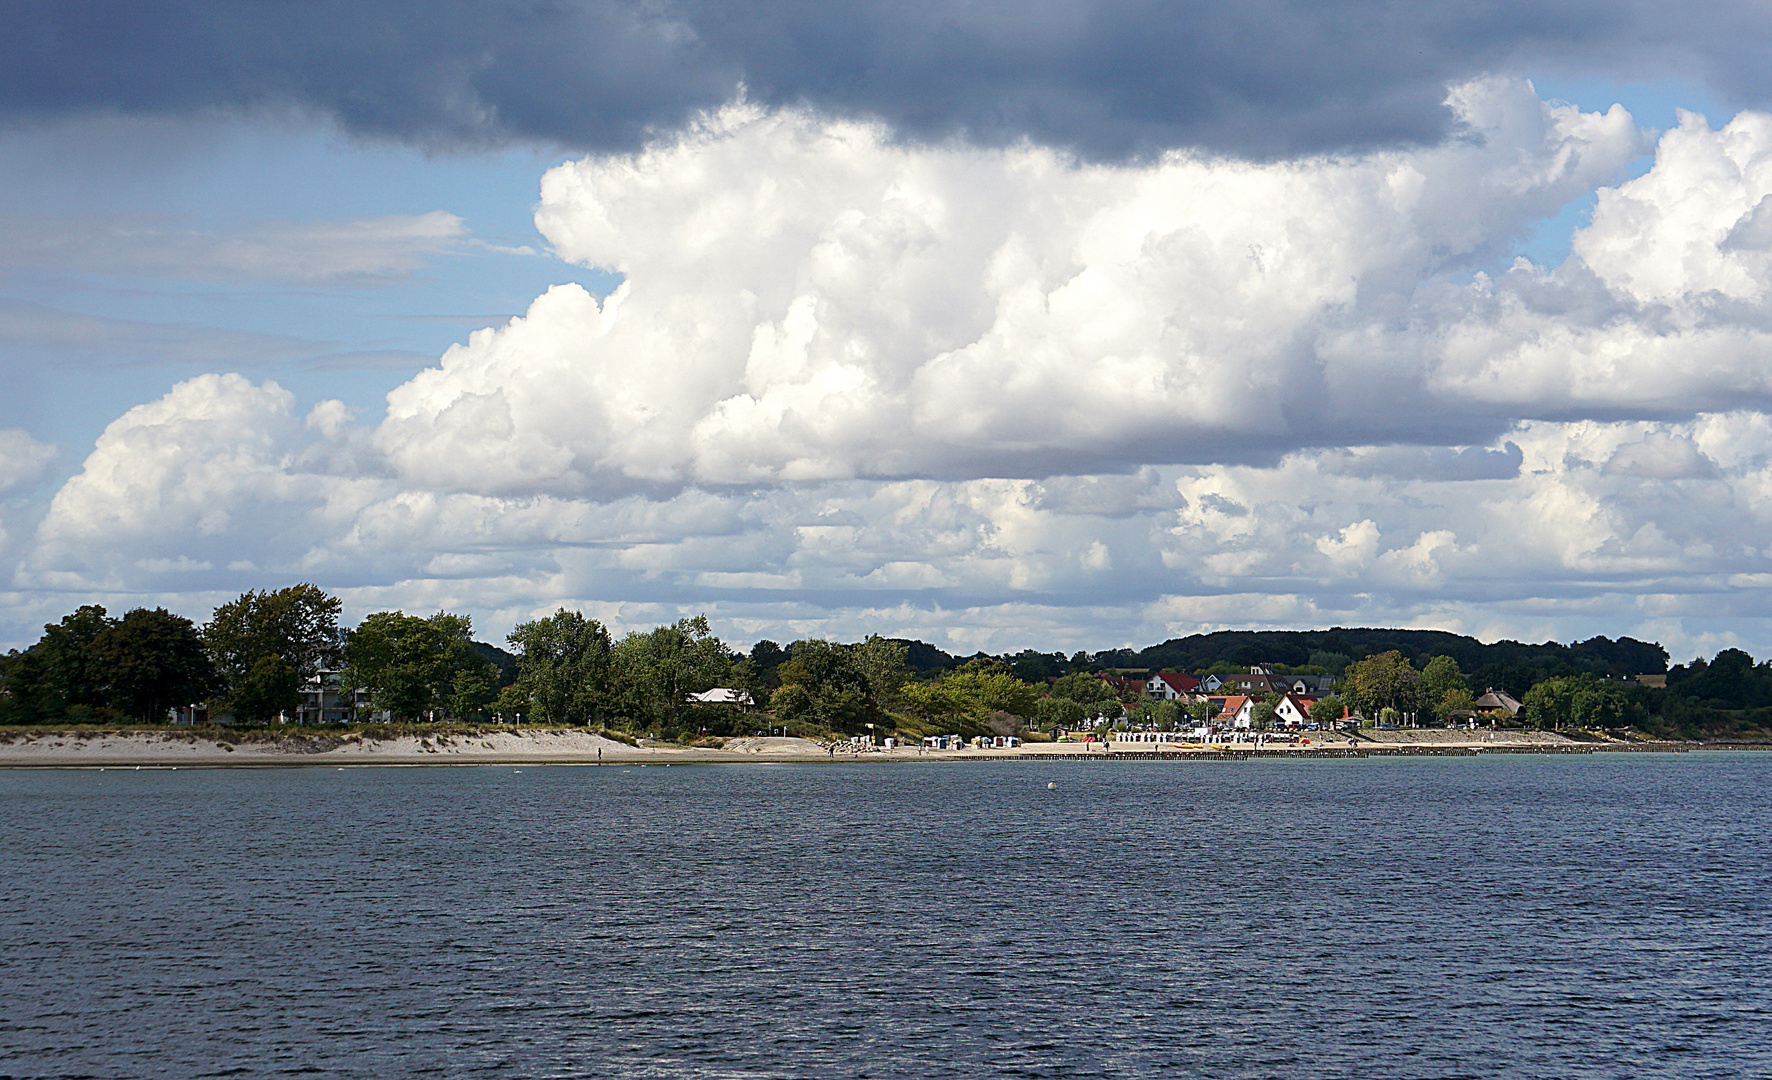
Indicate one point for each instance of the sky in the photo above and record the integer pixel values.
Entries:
(1053, 325)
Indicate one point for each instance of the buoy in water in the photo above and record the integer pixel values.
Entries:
(1051, 787)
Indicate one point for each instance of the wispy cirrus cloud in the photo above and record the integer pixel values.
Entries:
(31, 330)
(352, 251)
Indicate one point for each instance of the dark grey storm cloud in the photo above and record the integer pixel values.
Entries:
(1107, 77)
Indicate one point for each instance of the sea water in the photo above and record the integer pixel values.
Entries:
(1503, 916)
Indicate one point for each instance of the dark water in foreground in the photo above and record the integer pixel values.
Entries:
(1516, 916)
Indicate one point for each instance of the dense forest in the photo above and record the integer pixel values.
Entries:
(261, 655)
(1507, 664)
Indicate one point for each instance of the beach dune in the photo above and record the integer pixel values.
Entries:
(200, 747)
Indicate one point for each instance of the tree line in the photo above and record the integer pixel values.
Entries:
(260, 653)
(1512, 664)
(1729, 696)
(254, 659)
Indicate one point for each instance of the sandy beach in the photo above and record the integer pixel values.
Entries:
(205, 749)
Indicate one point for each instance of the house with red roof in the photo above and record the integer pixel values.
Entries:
(1294, 710)
(1170, 685)
(1124, 685)
(1236, 710)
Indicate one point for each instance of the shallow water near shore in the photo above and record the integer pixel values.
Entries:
(1517, 916)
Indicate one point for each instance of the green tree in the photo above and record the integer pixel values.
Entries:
(976, 691)
(834, 706)
(882, 663)
(1384, 681)
(1440, 677)
(987, 685)
(512, 704)
(822, 683)
(297, 627)
(60, 678)
(1058, 712)
(1549, 704)
(1452, 701)
(154, 661)
(1599, 704)
(1326, 711)
(270, 686)
(1577, 701)
(1084, 688)
(77, 679)
(563, 667)
(26, 696)
(473, 690)
(936, 701)
(1036, 667)
(472, 679)
(765, 657)
(656, 671)
(402, 660)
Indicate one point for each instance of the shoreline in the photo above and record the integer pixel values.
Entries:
(91, 749)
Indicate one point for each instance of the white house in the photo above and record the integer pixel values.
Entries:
(1239, 710)
(1294, 710)
(722, 695)
(1170, 685)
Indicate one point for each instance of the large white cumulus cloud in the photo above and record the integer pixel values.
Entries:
(1562, 529)
(209, 478)
(993, 398)
(806, 299)
(1663, 309)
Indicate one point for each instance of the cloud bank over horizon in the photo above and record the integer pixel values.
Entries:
(995, 397)
(1109, 79)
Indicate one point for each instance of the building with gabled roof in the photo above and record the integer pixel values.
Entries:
(1236, 710)
(1259, 681)
(1494, 699)
(723, 695)
(1294, 710)
(1171, 685)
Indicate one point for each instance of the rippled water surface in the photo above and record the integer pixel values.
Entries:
(1518, 916)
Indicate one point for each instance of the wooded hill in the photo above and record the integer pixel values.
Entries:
(1509, 665)
(1600, 655)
